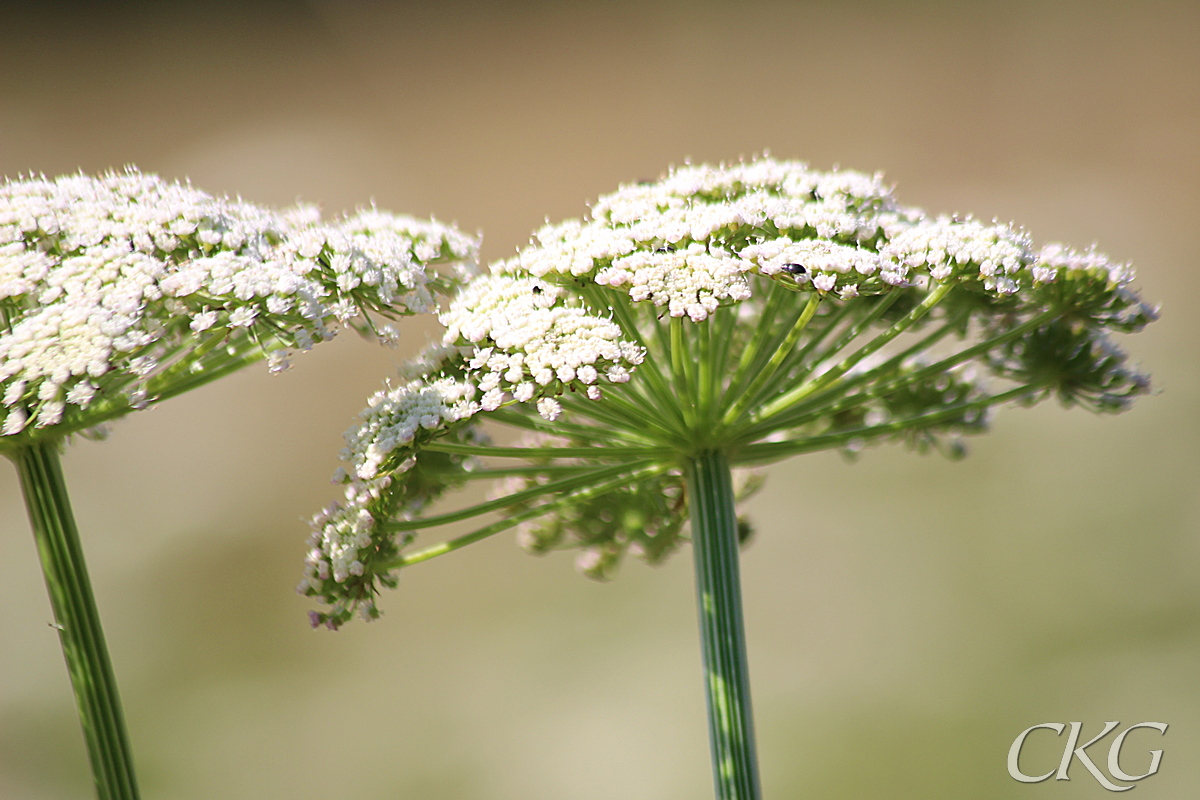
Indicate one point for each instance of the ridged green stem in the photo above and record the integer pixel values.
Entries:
(722, 634)
(77, 620)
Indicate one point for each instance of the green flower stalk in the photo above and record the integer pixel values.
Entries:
(717, 320)
(121, 291)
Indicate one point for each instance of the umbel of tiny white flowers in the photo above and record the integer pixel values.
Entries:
(760, 310)
(121, 290)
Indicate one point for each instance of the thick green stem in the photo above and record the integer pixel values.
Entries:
(77, 620)
(722, 634)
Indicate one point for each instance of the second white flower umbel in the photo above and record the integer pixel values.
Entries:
(123, 289)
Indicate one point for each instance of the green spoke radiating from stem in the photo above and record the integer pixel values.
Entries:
(658, 386)
(626, 412)
(794, 367)
(77, 620)
(770, 451)
(723, 339)
(782, 402)
(512, 416)
(563, 485)
(764, 328)
(617, 415)
(777, 358)
(722, 632)
(857, 319)
(513, 520)
(547, 452)
(816, 405)
(682, 369)
(491, 473)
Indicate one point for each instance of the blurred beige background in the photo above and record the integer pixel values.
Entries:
(907, 616)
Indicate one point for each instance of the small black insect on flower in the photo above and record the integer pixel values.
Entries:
(794, 269)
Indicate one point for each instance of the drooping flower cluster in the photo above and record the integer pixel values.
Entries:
(348, 539)
(386, 481)
(826, 316)
(507, 340)
(117, 290)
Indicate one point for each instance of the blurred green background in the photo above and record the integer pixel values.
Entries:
(907, 616)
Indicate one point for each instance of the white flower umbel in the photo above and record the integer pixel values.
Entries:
(120, 290)
(720, 317)
(777, 310)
